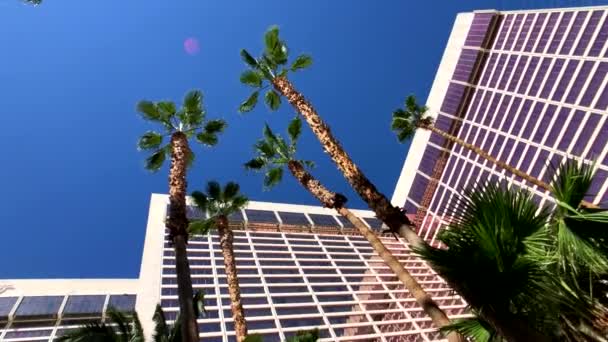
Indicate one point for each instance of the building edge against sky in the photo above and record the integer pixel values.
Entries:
(527, 86)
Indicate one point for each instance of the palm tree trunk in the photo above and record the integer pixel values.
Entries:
(382, 207)
(488, 157)
(226, 243)
(177, 223)
(320, 192)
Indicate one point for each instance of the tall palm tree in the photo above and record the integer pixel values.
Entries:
(407, 120)
(274, 154)
(524, 270)
(218, 204)
(271, 67)
(181, 125)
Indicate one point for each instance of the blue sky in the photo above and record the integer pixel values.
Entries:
(75, 194)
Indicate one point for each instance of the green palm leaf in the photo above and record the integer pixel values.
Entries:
(150, 140)
(249, 104)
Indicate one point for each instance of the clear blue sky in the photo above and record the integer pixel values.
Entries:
(74, 193)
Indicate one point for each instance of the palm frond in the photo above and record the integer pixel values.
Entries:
(155, 161)
(273, 177)
(215, 126)
(91, 332)
(214, 190)
(208, 139)
(200, 227)
(255, 164)
(161, 329)
(231, 189)
(406, 121)
(217, 201)
(199, 304)
(150, 140)
(294, 129)
(474, 328)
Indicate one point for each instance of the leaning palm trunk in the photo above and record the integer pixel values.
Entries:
(226, 243)
(382, 207)
(177, 222)
(336, 201)
(488, 157)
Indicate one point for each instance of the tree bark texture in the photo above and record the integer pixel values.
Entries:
(177, 223)
(226, 243)
(382, 207)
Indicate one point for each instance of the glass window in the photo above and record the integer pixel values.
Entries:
(344, 319)
(329, 288)
(335, 298)
(271, 248)
(306, 249)
(6, 305)
(315, 263)
(291, 310)
(274, 255)
(373, 222)
(200, 280)
(319, 271)
(339, 250)
(311, 256)
(323, 220)
(27, 333)
(350, 263)
(304, 242)
(277, 240)
(245, 262)
(39, 306)
(209, 327)
(244, 290)
(261, 216)
(290, 280)
(296, 219)
(122, 302)
(84, 305)
(301, 322)
(277, 263)
(340, 308)
(336, 243)
(324, 279)
(300, 236)
(280, 271)
(287, 289)
(291, 299)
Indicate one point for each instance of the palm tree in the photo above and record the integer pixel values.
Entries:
(125, 327)
(274, 154)
(218, 204)
(407, 120)
(120, 328)
(180, 125)
(524, 270)
(271, 66)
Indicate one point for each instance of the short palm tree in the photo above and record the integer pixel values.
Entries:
(272, 67)
(125, 327)
(274, 154)
(181, 125)
(219, 203)
(524, 270)
(121, 327)
(407, 120)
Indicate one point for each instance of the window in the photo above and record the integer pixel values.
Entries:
(84, 305)
(39, 307)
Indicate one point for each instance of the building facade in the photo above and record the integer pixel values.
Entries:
(529, 87)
